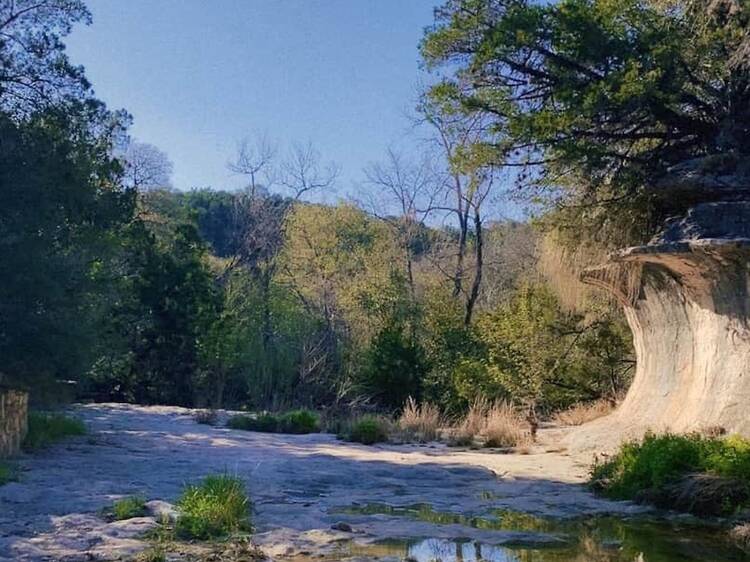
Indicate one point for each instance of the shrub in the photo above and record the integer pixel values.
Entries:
(394, 367)
(129, 507)
(368, 430)
(46, 428)
(153, 554)
(267, 423)
(206, 417)
(299, 422)
(660, 468)
(584, 412)
(214, 508)
(505, 427)
(420, 423)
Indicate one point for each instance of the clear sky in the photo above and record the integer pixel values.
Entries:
(199, 75)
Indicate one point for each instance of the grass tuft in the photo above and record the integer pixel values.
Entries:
(419, 423)
(215, 508)
(505, 427)
(295, 421)
(299, 422)
(47, 428)
(128, 508)
(741, 536)
(368, 430)
(584, 412)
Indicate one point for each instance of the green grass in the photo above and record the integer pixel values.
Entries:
(214, 508)
(8, 473)
(660, 461)
(295, 421)
(129, 507)
(367, 430)
(298, 421)
(267, 423)
(47, 428)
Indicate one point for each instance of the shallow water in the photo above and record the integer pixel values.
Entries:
(598, 539)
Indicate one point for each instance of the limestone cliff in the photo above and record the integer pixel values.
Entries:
(686, 295)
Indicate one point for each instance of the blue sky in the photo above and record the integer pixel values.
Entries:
(198, 76)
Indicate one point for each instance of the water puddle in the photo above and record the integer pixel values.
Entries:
(596, 539)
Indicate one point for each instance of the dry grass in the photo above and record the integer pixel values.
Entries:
(741, 536)
(505, 427)
(419, 423)
(206, 417)
(470, 426)
(498, 423)
(584, 412)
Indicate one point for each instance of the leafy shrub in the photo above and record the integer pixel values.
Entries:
(127, 508)
(420, 423)
(267, 423)
(299, 422)
(214, 508)
(46, 428)
(368, 430)
(394, 367)
(650, 468)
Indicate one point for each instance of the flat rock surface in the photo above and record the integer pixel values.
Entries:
(301, 486)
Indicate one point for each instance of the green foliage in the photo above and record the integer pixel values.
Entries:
(129, 507)
(47, 428)
(394, 367)
(215, 508)
(659, 460)
(295, 421)
(549, 359)
(267, 423)
(602, 97)
(367, 430)
(299, 422)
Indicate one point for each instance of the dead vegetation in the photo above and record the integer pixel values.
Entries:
(419, 422)
(584, 412)
(495, 424)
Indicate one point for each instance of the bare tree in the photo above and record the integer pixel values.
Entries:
(302, 172)
(403, 196)
(256, 160)
(146, 167)
(469, 182)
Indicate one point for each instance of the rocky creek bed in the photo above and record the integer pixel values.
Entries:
(318, 498)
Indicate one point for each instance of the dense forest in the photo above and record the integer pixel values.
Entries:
(117, 287)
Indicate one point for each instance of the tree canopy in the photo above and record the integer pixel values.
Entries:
(599, 98)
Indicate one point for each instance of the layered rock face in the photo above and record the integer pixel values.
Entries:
(686, 295)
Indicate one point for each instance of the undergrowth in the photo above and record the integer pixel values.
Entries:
(703, 475)
(216, 507)
(295, 421)
(129, 507)
(367, 430)
(8, 473)
(47, 428)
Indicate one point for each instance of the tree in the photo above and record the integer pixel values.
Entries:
(405, 193)
(598, 101)
(35, 72)
(470, 178)
(145, 167)
(61, 209)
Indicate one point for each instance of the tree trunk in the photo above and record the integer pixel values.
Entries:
(479, 265)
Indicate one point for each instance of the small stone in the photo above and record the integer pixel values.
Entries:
(341, 526)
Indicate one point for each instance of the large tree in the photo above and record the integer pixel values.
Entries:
(599, 100)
